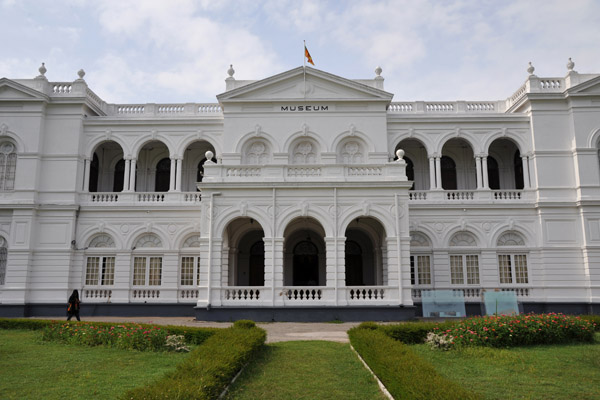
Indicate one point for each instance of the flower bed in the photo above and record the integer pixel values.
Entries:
(519, 330)
(132, 337)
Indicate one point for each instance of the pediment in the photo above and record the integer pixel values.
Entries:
(311, 84)
(591, 86)
(11, 90)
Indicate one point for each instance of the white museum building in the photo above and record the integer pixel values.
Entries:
(302, 196)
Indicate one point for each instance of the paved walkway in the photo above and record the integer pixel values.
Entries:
(276, 331)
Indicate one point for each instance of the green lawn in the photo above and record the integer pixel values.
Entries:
(33, 369)
(538, 372)
(315, 370)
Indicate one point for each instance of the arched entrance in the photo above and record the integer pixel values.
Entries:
(364, 261)
(304, 253)
(246, 253)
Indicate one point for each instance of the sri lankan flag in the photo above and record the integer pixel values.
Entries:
(307, 55)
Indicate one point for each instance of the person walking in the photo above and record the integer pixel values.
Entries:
(73, 306)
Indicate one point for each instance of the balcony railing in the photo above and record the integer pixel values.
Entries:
(474, 294)
(485, 196)
(122, 198)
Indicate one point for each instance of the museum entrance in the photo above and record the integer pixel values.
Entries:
(304, 253)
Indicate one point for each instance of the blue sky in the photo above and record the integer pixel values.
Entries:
(178, 51)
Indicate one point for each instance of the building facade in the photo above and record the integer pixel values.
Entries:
(302, 196)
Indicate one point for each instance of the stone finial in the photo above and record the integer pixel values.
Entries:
(400, 154)
(570, 65)
(378, 71)
(530, 69)
(231, 71)
(42, 69)
(81, 73)
(209, 156)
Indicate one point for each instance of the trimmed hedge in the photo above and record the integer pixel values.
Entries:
(595, 319)
(405, 374)
(209, 368)
(192, 335)
(414, 332)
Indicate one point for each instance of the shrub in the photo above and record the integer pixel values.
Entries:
(595, 319)
(176, 343)
(404, 373)
(439, 342)
(414, 332)
(244, 323)
(368, 325)
(520, 330)
(209, 368)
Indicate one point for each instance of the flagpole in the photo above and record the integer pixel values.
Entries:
(304, 67)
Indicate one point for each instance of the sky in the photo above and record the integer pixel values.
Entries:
(178, 51)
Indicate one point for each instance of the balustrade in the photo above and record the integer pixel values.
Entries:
(62, 88)
(145, 294)
(303, 171)
(417, 195)
(507, 194)
(191, 294)
(460, 195)
(472, 294)
(150, 197)
(365, 293)
(242, 294)
(96, 294)
(310, 294)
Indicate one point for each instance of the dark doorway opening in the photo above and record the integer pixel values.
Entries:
(306, 264)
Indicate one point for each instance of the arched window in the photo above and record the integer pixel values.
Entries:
(464, 263)
(163, 175)
(190, 262)
(448, 167)
(119, 176)
(493, 173)
(420, 259)
(147, 269)
(512, 259)
(8, 166)
(100, 263)
(94, 172)
(3, 256)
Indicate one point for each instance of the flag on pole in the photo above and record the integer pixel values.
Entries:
(307, 55)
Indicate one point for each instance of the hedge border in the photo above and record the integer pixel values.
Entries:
(405, 374)
(193, 335)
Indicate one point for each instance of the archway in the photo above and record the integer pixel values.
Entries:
(193, 164)
(304, 253)
(246, 252)
(105, 168)
(364, 259)
(509, 167)
(458, 167)
(417, 164)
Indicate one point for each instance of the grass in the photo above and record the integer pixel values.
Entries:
(305, 370)
(536, 372)
(32, 369)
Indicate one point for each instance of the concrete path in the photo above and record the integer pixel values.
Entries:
(276, 331)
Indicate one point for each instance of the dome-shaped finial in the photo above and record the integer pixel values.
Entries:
(531, 68)
(400, 154)
(378, 71)
(209, 155)
(81, 73)
(42, 69)
(570, 64)
(231, 71)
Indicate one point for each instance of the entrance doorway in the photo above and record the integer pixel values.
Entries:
(306, 264)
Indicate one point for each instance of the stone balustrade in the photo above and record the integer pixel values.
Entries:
(474, 294)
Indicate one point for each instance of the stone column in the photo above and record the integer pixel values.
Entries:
(172, 176)
(132, 175)
(432, 185)
(438, 172)
(478, 171)
(277, 261)
(86, 176)
(486, 183)
(126, 174)
(179, 174)
(526, 182)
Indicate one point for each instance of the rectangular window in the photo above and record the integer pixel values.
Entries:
(139, 271)
(420, 269)
(187, 271)
(100, 270)
(512, 268)
(464, 265)
(147, 271)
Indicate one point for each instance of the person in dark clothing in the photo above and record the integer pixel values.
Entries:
(73, 307)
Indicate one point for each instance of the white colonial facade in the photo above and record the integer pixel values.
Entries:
(301, 193)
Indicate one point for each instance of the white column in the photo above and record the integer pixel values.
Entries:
(486, 183)
(126, 173)
(478, 171)
(132, 175)
(432, 173)
(86, 174)
(438, 172)
(526, 181)
(178, 179)
(172, 176)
